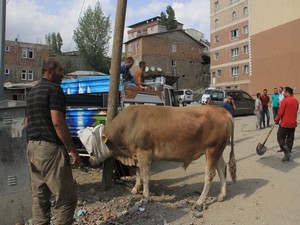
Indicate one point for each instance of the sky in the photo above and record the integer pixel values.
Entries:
(31, 20)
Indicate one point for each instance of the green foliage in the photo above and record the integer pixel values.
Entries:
(92, 38)
(168, 19)
(55, 42)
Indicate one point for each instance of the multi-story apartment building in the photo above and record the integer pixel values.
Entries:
(229, 46)
(275, 44)
(175, 52)
(255, 44)
(22, 65)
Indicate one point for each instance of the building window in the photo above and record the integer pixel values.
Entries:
(216, 5)
(130, 48)
(245, 49)
(216, 22)
(174, 48)
(30, 54)
(245, 11)
(217, 39)
(137, 44)
(30, 75)
(234, 15)
(27, 53)
(234, 34)
(217, 56)
(235, 71)
(219, 73)
(24, 75)
(173, 63)
(24, 53)
(7, 71)
(246, 69)
(7, 48)
(234, 53)
(245, 29)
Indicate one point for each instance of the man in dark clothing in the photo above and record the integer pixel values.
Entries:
(229, 104)
(50, 148)
(265, 100)
(287, 116)
(127, 77)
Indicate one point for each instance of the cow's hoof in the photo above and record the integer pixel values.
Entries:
(220, 198)
(134, 191)
(197, 207)
(145, 201)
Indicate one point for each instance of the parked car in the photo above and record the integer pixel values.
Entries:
(206, 95)
(185, 96)
(245, 104)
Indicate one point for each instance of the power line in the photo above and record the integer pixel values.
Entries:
(76, 23)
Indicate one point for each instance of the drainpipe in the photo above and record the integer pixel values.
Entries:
(2, 46)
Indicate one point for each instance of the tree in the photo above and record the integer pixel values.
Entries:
(92, 38)
(55, 42)
(168, 19)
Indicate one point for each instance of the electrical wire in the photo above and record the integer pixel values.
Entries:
(76, 23)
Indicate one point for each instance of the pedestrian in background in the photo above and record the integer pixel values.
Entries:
(258, 109)
(275, 103)
(281, 95)
(287, 116)
(51, 151)
(265, 101)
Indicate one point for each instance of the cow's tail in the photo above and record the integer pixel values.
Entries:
(232, 161)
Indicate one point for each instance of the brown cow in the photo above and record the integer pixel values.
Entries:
(143, 133)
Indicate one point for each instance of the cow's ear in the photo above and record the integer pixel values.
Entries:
(104, 139)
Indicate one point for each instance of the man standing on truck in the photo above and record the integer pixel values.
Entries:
(50, 149)
(128, 78)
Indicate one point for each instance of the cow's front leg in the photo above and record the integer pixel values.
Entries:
(210, 172)
(137, 185)
(144, 162)
(221, 168)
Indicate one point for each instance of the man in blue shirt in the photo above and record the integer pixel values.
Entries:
(275, 103)
(128, 78)
(229, 104)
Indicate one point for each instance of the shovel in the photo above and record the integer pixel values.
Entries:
(261, 148)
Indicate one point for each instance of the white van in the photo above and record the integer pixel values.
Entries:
(185, 96)
(206, 95)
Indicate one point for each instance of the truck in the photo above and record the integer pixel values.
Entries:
(87, 100)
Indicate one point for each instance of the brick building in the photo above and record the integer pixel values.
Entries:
(22, 66)
(175, 52)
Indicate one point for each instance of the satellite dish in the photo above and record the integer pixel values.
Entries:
(152, 68)
(158, 69)
(146, 69)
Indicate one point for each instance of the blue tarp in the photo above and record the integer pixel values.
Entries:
(95, 84)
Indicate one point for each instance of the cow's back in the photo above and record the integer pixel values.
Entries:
(171, 133)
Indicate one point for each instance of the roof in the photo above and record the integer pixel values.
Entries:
(156, 18)
(165, 32)
(145, 21)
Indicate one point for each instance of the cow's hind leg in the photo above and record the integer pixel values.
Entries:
(210, 172)
(137, 185)
(221, 168)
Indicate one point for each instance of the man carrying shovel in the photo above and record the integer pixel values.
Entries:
(287, 116)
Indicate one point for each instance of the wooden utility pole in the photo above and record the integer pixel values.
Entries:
(113, 96)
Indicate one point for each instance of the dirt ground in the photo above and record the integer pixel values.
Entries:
(267, 191)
